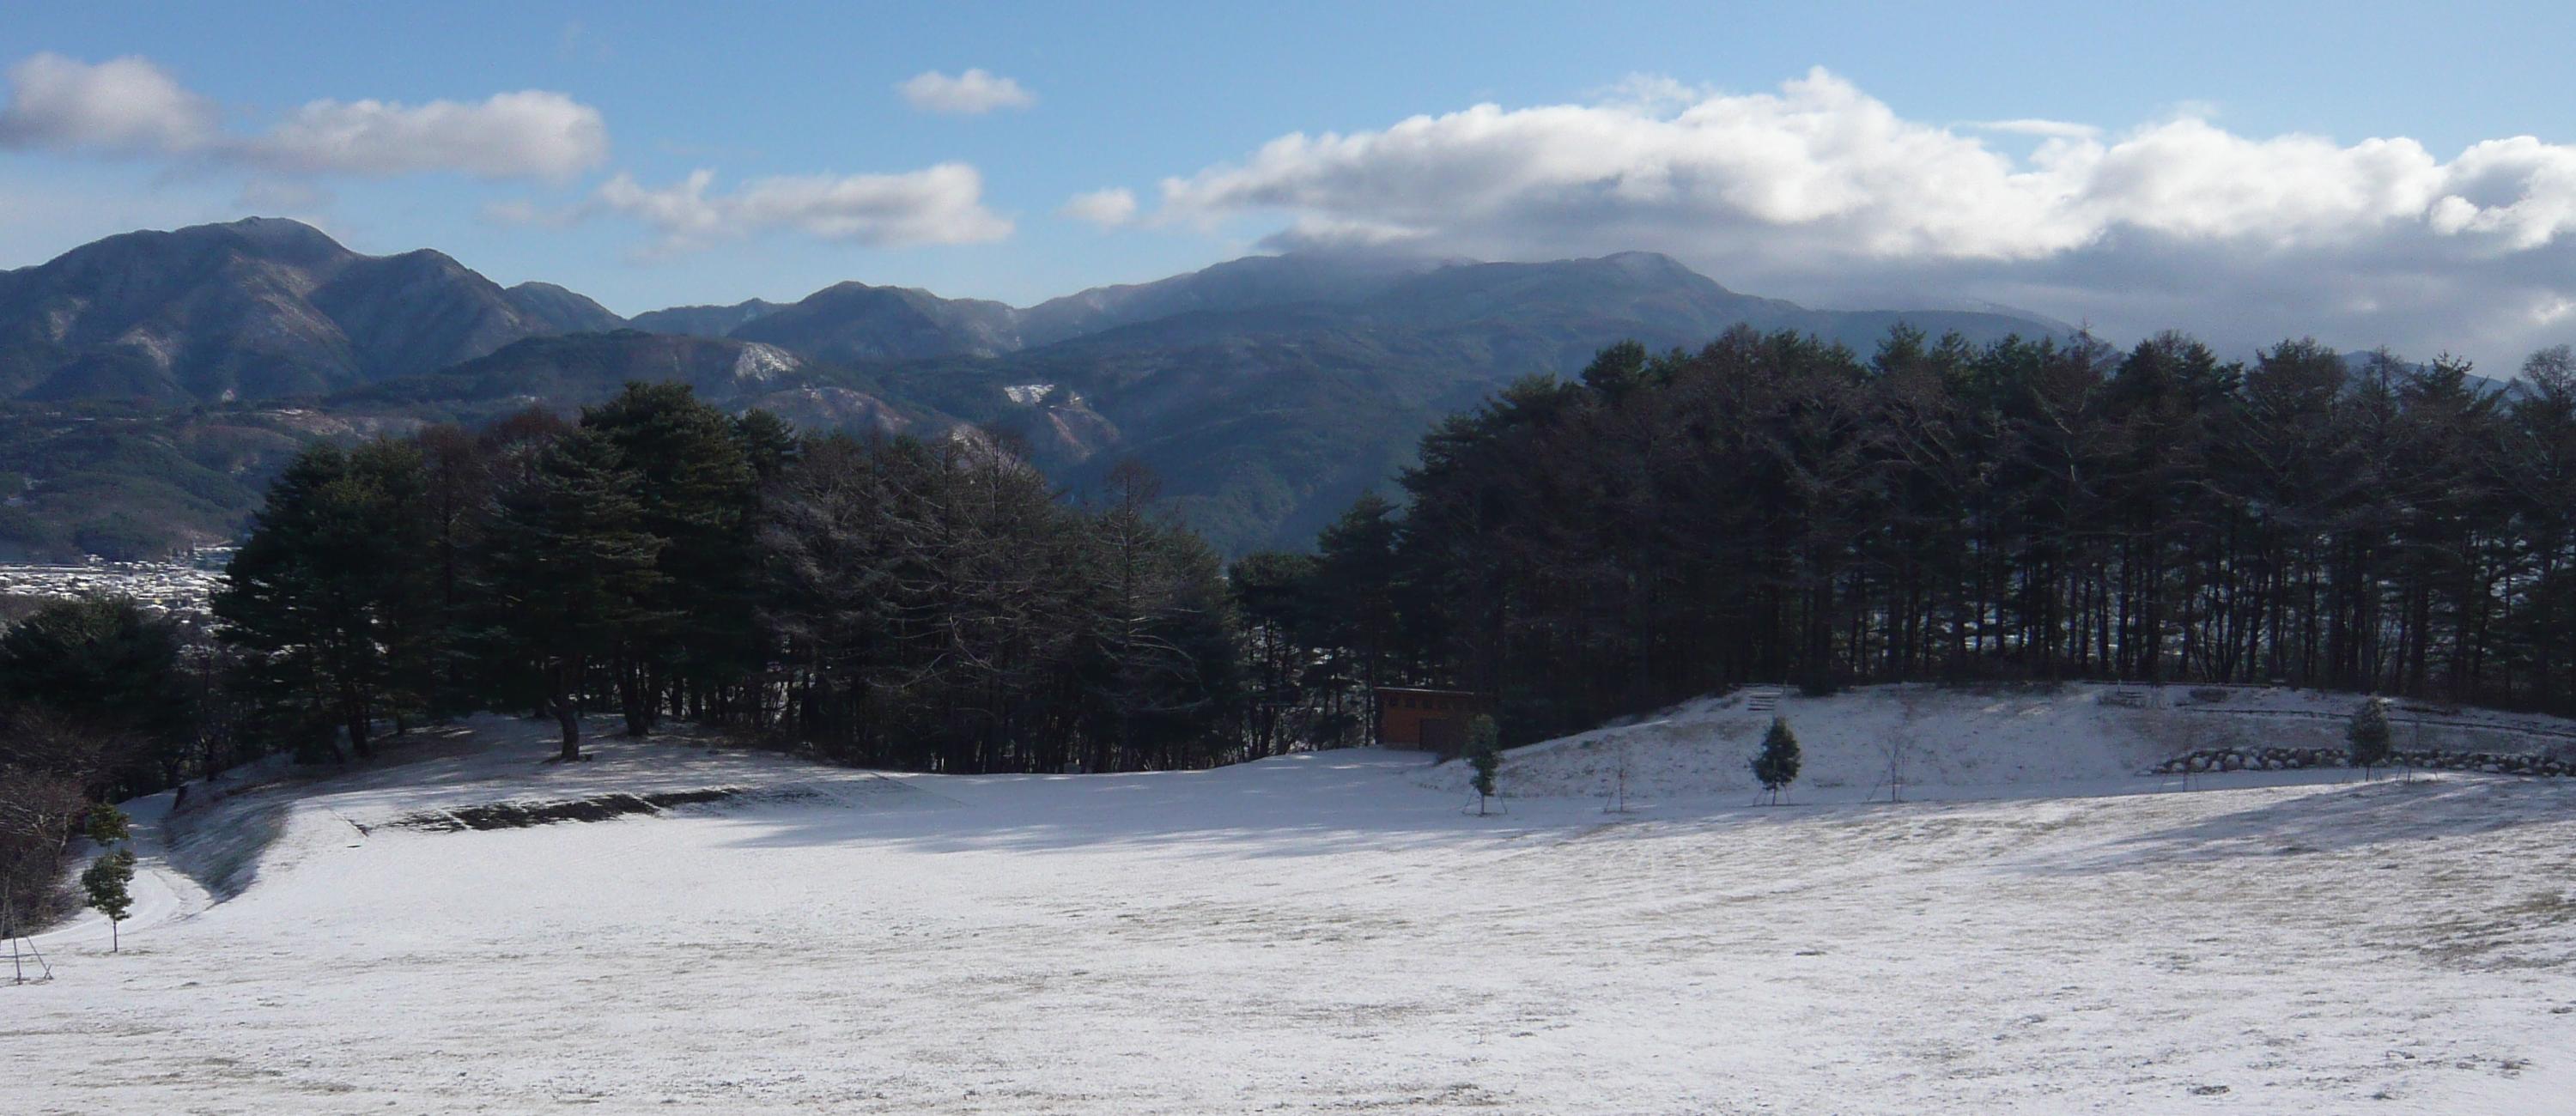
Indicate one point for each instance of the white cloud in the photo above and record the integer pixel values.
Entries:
(1820, 191)
(1108, 208)
(971, 93)
(941, 204)
(122, 106)
(2035, 126)
(132, 107)
(530, 134)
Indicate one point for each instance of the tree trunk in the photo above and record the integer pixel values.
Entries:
(566, 713)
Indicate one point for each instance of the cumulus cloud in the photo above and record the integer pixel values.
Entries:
(941, 204)
(132, 107)
(1108, 208)
(1818, 190)
(968, 94)
(120, 106)
(530, 134)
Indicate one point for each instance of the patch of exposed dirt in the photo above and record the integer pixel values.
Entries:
(521, 815)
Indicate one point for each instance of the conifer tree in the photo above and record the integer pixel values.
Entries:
(569, 580)
(2368, 735)
(110, 674)
(1777, 764)
(1485, 753)
(695, 489)
(107, 825)
(107, 884)
(329, 597)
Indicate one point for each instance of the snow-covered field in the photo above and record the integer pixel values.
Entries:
(1331, 932)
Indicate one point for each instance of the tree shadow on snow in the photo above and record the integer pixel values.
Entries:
(2391, 812)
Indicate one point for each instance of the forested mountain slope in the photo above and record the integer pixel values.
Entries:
(1266, 391)
(258, 308)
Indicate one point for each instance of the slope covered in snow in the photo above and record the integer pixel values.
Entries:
(1313, 933)
(1979, 742)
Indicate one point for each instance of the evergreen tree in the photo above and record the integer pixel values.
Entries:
(696, 492)
(107, 825)
(1776, 765)
(1485, 755)
(107, 884)
(109, 674)
(1274, 595)
(2368, 736)
(329, 599)
(568, 573)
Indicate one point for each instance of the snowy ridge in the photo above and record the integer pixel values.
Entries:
(760, 363)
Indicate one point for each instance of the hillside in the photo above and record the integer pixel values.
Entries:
(1267, 392)
(573, 371)
(259, 308)
(749, 933)
(1979, 742)
(122, 484)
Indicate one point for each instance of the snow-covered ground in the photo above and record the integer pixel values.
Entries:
(1322, 932)
(2002, 741)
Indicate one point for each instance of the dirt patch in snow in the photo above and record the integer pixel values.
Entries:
(521, 815)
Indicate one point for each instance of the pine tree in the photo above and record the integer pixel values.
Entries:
(110, 672)
(107, 825)
(696, 490)
(106, 883)
(1485, 753)
(2369, 735)
(330, 598)
(568, 572)
(1777, 764)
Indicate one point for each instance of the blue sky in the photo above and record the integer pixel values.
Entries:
(2199, 166)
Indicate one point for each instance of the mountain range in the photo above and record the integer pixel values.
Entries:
(1268, 391)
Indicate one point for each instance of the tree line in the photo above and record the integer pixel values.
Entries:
(893, 601)
(1774, 509)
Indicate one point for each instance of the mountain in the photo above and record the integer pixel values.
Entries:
(258, 308)
(572, 371)
(1268, 392)
(561, 310)
(855, 322)
(703, 321)
(1244, 284)
(1266, 418)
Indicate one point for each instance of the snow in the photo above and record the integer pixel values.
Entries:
(1325, 932)
(1999, 741)
(759, 362)
(1027, 394)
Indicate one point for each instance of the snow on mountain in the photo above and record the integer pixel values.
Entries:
(763, 362)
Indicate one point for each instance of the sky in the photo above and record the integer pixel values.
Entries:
(2368, 174)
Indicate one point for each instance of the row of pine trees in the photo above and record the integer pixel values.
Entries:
(1771, 509)
(929, 605)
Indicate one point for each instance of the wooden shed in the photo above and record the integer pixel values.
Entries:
(1431, 720)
